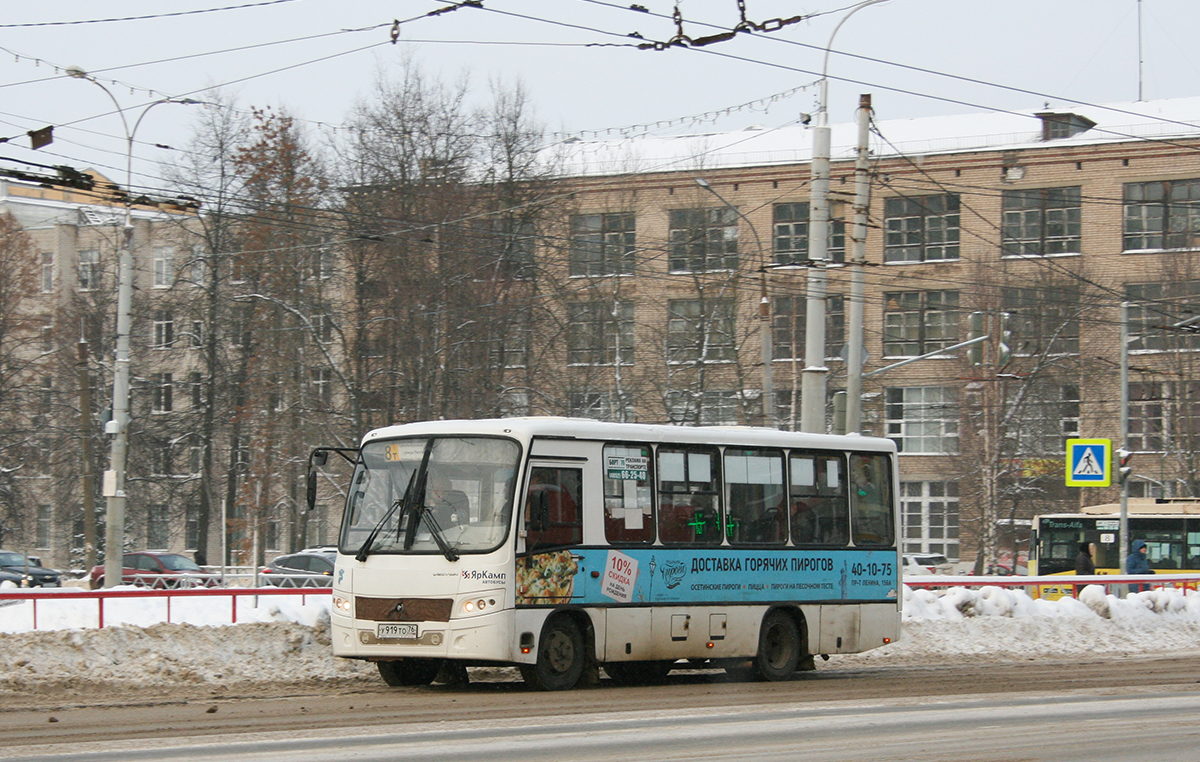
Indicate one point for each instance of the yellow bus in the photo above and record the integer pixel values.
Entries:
(1170, 528)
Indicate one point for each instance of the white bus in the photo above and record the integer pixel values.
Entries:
(560, 545)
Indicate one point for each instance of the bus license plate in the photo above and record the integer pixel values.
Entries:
(397, 631)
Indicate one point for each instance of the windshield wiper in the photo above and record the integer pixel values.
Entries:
(435, 530)
(402, 504)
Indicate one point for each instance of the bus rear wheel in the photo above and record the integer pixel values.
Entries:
(409, 671)
(560, 657)
(778, 647)
(638, 672)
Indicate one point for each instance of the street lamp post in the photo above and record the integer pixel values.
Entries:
(114, 478)
(764, 312)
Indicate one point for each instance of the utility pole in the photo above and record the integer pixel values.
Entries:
(858, 261)
(88, 479)
(1124, 525)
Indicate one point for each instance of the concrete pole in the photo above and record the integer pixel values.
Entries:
(858, 261)
(1124, 526)
(814, 377)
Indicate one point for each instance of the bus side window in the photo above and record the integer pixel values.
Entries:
(871, 519)
(756, 509)
(552, 514)
(628, 513)
(820, 511)
(688, 498)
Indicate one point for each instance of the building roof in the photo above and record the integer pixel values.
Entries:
(792, 144)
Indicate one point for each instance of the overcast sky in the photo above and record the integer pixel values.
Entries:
(577, 60)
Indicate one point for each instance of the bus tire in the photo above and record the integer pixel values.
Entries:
(560, 657)
(638, 672)
(403, 672)
(778, 647)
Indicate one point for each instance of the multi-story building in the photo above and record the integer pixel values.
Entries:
(1041, 224)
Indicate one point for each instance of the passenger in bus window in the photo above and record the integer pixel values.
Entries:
(1083, 561)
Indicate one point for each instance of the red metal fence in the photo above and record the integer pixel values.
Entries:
(100, 596)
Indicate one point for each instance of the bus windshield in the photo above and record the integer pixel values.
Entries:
(459, 496)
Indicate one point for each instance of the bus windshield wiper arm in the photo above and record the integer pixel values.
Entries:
(435, 530)
(402, 504)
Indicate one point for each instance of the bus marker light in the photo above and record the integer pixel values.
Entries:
(525, 649)
(886, 641)
(710, 644)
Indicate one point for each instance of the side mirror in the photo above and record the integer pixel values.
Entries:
(320, 457)
(310, 492)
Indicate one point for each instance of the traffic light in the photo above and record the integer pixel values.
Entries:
(1004, 348)
(975, 351)
(1123, 468)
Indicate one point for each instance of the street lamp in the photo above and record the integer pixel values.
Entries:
(814, 379)
(764, 312)
(114, 478)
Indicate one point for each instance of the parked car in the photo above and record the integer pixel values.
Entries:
(304, 569)
(926, 563)
(159, 570)
(30, 572)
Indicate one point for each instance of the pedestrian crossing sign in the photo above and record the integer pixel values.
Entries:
(1089, 462)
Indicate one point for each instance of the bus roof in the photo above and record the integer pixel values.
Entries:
(587, 428)
(1140, 506)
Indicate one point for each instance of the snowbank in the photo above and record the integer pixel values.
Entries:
(283, 641)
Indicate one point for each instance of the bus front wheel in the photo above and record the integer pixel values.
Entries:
(409, 671)
(560, 657)
(778, 647)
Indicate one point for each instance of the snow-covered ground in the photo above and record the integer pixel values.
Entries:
(283, 640)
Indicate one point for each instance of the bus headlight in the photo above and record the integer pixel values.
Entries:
(343, 605)
(480, 605)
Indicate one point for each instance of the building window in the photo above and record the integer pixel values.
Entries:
(700, 330)
(603, 406)
(1041, 321)
(791, 235)
(707, 408)
(271, 536)
(45, 520)
(1162, 215)
(923, 229)
(158, 527)
(702, 240)
(164, 266)
(1164, 416)
(47, 272)
(918, 322)
(930, 517)
(923, 419)
(600, 333)
(1041, 222)
(196, 335)
(1154, 306)
(511, 243)
(322, 327)
(89, 269)
(789, 317)
(322, 387)
(324, 263)
(602, 244)
(1048, 416)
(161, 393)
(191, 531)
(511, 348)
(47, 334)
(196, 386)
(164, 330)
